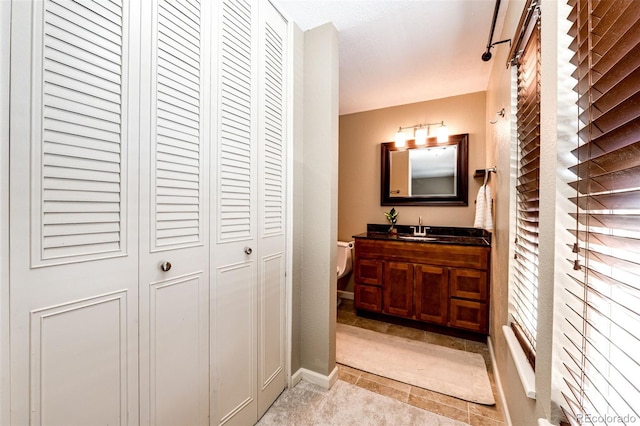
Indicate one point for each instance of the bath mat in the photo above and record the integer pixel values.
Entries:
(345, 405)
(444, 370)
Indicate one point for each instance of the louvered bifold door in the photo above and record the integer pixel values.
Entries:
(234, 203)
(602, 310)
(272, 142)
(73, 212)
(174, 212)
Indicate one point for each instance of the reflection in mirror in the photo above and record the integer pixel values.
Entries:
(435, 174)
(420, 172)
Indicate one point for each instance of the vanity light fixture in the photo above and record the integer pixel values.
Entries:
(421, 133)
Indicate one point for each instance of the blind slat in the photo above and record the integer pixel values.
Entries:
(612, 201)
(619, 242)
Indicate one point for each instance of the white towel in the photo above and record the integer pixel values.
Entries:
(488, 203)
(484, 218)
(480, 208)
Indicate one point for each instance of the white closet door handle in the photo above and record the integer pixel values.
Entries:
(165, 266)
(248, 250)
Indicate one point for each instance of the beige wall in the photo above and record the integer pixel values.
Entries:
(359, 162)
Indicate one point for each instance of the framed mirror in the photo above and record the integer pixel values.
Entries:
(434, 174)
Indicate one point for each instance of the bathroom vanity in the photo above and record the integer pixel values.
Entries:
(441, 278)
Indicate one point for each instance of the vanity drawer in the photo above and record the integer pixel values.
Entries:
(468, 315)
(368, 271)
(368, 297)
(468, 284)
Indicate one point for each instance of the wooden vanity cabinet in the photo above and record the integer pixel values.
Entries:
(442, 284)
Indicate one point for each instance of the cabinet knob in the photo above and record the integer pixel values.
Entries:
(165, 266)
(248, 250)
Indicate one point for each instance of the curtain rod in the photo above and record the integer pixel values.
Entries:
(486, 56)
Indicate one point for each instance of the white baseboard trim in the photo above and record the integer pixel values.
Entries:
(496, 373)
(345, 294)
(325, 382)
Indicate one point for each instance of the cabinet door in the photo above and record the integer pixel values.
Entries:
(469, 284)
(469, 315)
(397, 289)
(368, 271)
(431, 293)
(368, 297)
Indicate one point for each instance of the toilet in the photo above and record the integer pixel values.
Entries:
(344, 258)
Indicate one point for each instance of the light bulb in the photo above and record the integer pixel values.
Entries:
(401, 139)
(421, 136)
(443, 133)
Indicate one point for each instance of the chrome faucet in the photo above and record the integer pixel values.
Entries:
(420, 231)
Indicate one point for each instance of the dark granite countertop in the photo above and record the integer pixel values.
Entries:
(435, 235)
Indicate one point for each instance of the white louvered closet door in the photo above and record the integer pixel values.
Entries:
(248, 254)
(233, 260)
(174, 213)
(73, 213)
(272, 148)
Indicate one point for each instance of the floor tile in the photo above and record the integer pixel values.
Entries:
(370, 324)
(440, 398)
(346, 317)
(349, 375)
(475, 420)
(402, 387)
(438, 408)
(379, 388)
(491, 411)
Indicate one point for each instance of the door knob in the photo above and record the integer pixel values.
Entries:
(165, 266)
(248, 250)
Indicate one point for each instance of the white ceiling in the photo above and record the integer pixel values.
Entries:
(395, 52)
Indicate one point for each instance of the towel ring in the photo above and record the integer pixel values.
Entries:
(500, 113)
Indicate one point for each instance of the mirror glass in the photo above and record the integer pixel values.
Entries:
(432, 174)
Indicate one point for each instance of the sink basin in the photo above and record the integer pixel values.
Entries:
(414, 238)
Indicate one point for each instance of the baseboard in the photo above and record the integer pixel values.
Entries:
(496, 373)
(325, 382)
(345, 294)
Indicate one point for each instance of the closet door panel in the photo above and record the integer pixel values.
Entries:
(235, 349)
(175, 363)
(73, 204)
(272, 137)
(234, 289)
(174, 214)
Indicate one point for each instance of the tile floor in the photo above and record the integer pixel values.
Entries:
(447, 406)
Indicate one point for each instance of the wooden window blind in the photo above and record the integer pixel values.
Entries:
(524, 280)
(602, 342)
